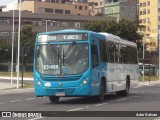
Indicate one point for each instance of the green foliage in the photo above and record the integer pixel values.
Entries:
(27, 36)
(126, 29)
(27, 41)
(5, 50)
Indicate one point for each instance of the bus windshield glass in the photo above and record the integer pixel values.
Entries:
(62, 59)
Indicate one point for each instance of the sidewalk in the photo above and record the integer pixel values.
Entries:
(149, 83)
(7, 87)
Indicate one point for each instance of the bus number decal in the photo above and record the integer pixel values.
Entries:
(52, 67)
(52, 38)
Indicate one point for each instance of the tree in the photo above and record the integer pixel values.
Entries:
(27, 36)
(5, 50)
(27, 41)
(126, 29)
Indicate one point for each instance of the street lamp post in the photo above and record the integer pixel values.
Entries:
(143, 54)
(159, 52)
(12, 45)
(46, 22)
(19, 29)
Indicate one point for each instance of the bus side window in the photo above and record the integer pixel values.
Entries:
(124, 56)
(110, 52)
(103, 52)
(116, 52)
(94, 56)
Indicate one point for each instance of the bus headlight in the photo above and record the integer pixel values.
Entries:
(38, 82)
(84, 82)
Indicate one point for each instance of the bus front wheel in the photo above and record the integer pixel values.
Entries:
(54, 99)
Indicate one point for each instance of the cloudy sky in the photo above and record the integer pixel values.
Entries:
(4, 2)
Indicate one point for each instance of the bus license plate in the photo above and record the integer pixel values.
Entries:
(60, 93)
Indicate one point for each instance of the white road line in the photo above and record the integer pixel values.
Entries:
(1, 102)
(87, 106)
(121, 99)
(135, 96)
(157, 118)
(36, 118)
(15, 100)
(148, 97)
(30, 99)
(75, 109)
(155, 92)
(100, 104)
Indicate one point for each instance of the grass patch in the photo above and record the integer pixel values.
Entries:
(146, 78)
(28, 85)
(8, 74)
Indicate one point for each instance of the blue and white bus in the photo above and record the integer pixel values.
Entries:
(83, 63)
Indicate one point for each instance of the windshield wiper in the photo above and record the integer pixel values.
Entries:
(69, 49)
(52, 48)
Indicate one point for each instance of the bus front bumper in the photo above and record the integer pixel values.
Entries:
(69, 91)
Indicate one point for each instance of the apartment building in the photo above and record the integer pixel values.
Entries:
(148, 18)
(43, 22)
(96, 7)
(126, 9)
(69, 7)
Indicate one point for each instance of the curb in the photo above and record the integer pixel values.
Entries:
(16, 91)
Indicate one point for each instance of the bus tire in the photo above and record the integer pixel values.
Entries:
(54, 99)
(102, 91)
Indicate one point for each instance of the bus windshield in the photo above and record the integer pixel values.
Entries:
(62, 59)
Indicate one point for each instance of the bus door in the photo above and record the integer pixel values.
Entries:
(95, 67)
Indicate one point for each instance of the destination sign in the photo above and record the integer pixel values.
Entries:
(63, 37)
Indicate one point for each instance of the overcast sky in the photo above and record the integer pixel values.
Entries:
(4, 2)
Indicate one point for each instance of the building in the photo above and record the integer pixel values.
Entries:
(96, 7)
(122, 9)
(148, 19)
(69, 7)
(40, 23)
(43, 22)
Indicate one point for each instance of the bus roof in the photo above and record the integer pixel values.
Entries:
(67, 31)
(117, 39)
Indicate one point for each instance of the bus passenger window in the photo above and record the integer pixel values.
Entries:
(103, 53)
(110, 52)
(94, 56)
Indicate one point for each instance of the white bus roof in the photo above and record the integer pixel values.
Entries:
(117, 39)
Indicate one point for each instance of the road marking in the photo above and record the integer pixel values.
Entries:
(100, 104)
(1, 102)
(148, 97)
(134, 96)
(30, 99)
(36, 118)
(87, 106)
(76, 109)
(15, 100)
(157, 118)
(121, 99)
(155, 92)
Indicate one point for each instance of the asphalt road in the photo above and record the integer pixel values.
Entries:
(142, 98)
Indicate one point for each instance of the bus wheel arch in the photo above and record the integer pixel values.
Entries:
(102, 90)
(127, 87)
(125, 92)
(128, 81)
